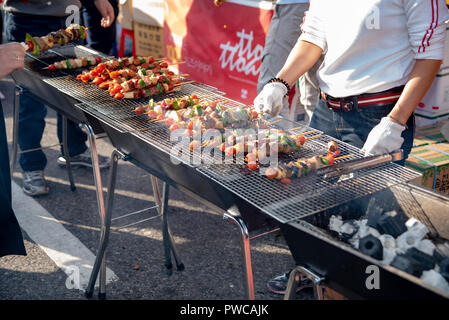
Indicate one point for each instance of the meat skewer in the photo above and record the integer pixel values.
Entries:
(74, 63)
(37, 45)
(302, 167)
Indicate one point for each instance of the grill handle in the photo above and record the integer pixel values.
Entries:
(359, 164)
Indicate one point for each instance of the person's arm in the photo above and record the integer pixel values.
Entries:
(307, 51)
(303, 56)
(419, 82)
(107, 12)
(11, 58)
(427, 34)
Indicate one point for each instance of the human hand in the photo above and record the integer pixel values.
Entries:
(384, 138)
(11, 58)
(271, 99)
(107, 12)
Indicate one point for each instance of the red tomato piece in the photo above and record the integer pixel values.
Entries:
(169, 122)
(97, 59)
(173, 127)
(119, 96)
(139, 110)
(286, 181)
(152, 114)
(302, 140)
(194, 145)
(160, 117)
(51, 67)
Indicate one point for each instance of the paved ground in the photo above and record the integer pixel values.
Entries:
(208, 245)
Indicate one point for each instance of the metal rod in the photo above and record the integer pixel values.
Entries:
(100, 259)
(40, 148)
(264, 233)
(15, 128)
(134, 223)
(65, 148)
(133, 213)
(247, 267)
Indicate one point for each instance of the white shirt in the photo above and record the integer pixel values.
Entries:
(371, 45)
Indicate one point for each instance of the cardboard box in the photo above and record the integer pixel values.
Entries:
(433, 162)
(149, 40)
(125, 16)
(149, 12)
(428, 135)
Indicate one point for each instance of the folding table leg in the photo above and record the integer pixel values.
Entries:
(105, 217)
(100, 260)
(15, 129)
(246, 252)
(169, 243)
(65, 148)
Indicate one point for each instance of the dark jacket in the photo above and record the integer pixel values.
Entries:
(55, 8)
(11, 240)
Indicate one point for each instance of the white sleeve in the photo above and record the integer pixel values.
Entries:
(312, 27)
(426, 27)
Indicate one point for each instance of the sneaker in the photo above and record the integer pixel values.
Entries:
(278, 285)
(34, 183)
(85, 160)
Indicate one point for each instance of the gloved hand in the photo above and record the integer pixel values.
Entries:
(384, 138)
(271, 99)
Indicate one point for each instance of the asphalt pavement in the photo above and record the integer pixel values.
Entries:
(209, 246)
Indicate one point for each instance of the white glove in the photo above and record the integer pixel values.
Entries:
(384, 138)
(271, 99)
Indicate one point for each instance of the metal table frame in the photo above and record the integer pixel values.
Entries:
(161, 200)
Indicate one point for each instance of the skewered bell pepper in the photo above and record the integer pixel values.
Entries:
(35, 50)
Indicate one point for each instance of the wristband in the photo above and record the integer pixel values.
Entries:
(281, 81)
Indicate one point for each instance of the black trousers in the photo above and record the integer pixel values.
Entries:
(11, 240)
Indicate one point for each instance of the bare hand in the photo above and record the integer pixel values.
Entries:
(11, 58)
(106, 11)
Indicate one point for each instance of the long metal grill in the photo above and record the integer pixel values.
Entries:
(303, 197)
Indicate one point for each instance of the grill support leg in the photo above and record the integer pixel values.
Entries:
(15, 129)
(105, 217)
(294, 279)
(246, 252)
(168, 241)
(65, 148)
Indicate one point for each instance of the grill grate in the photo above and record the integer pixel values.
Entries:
(302, 198)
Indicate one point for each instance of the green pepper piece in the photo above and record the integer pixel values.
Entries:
(324, 160)
(69, 66)
(190, 102)
(192, 113)
(147, 91)
(167, 80)
(142, 83)
(36, 49)
(218, 107)
(82, 32)
(159, 87)
(151, 103)
(175, 105)
(142, 60)
(144, 71)
(88, 62)
(199, 110)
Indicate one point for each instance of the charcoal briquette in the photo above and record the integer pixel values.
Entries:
(391, 223)
(371, 246)
(425, 261)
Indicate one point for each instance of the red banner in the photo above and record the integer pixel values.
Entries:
(220, 46)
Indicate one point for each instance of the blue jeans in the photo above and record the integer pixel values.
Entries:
(354, 126)
(98, 38)
(32, 113)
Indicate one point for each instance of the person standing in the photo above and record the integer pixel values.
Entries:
(283, 33)
(11, 240)
(39, 17)
(101, 22)
(380, 59)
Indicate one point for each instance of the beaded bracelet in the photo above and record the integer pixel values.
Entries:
(281, 81)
